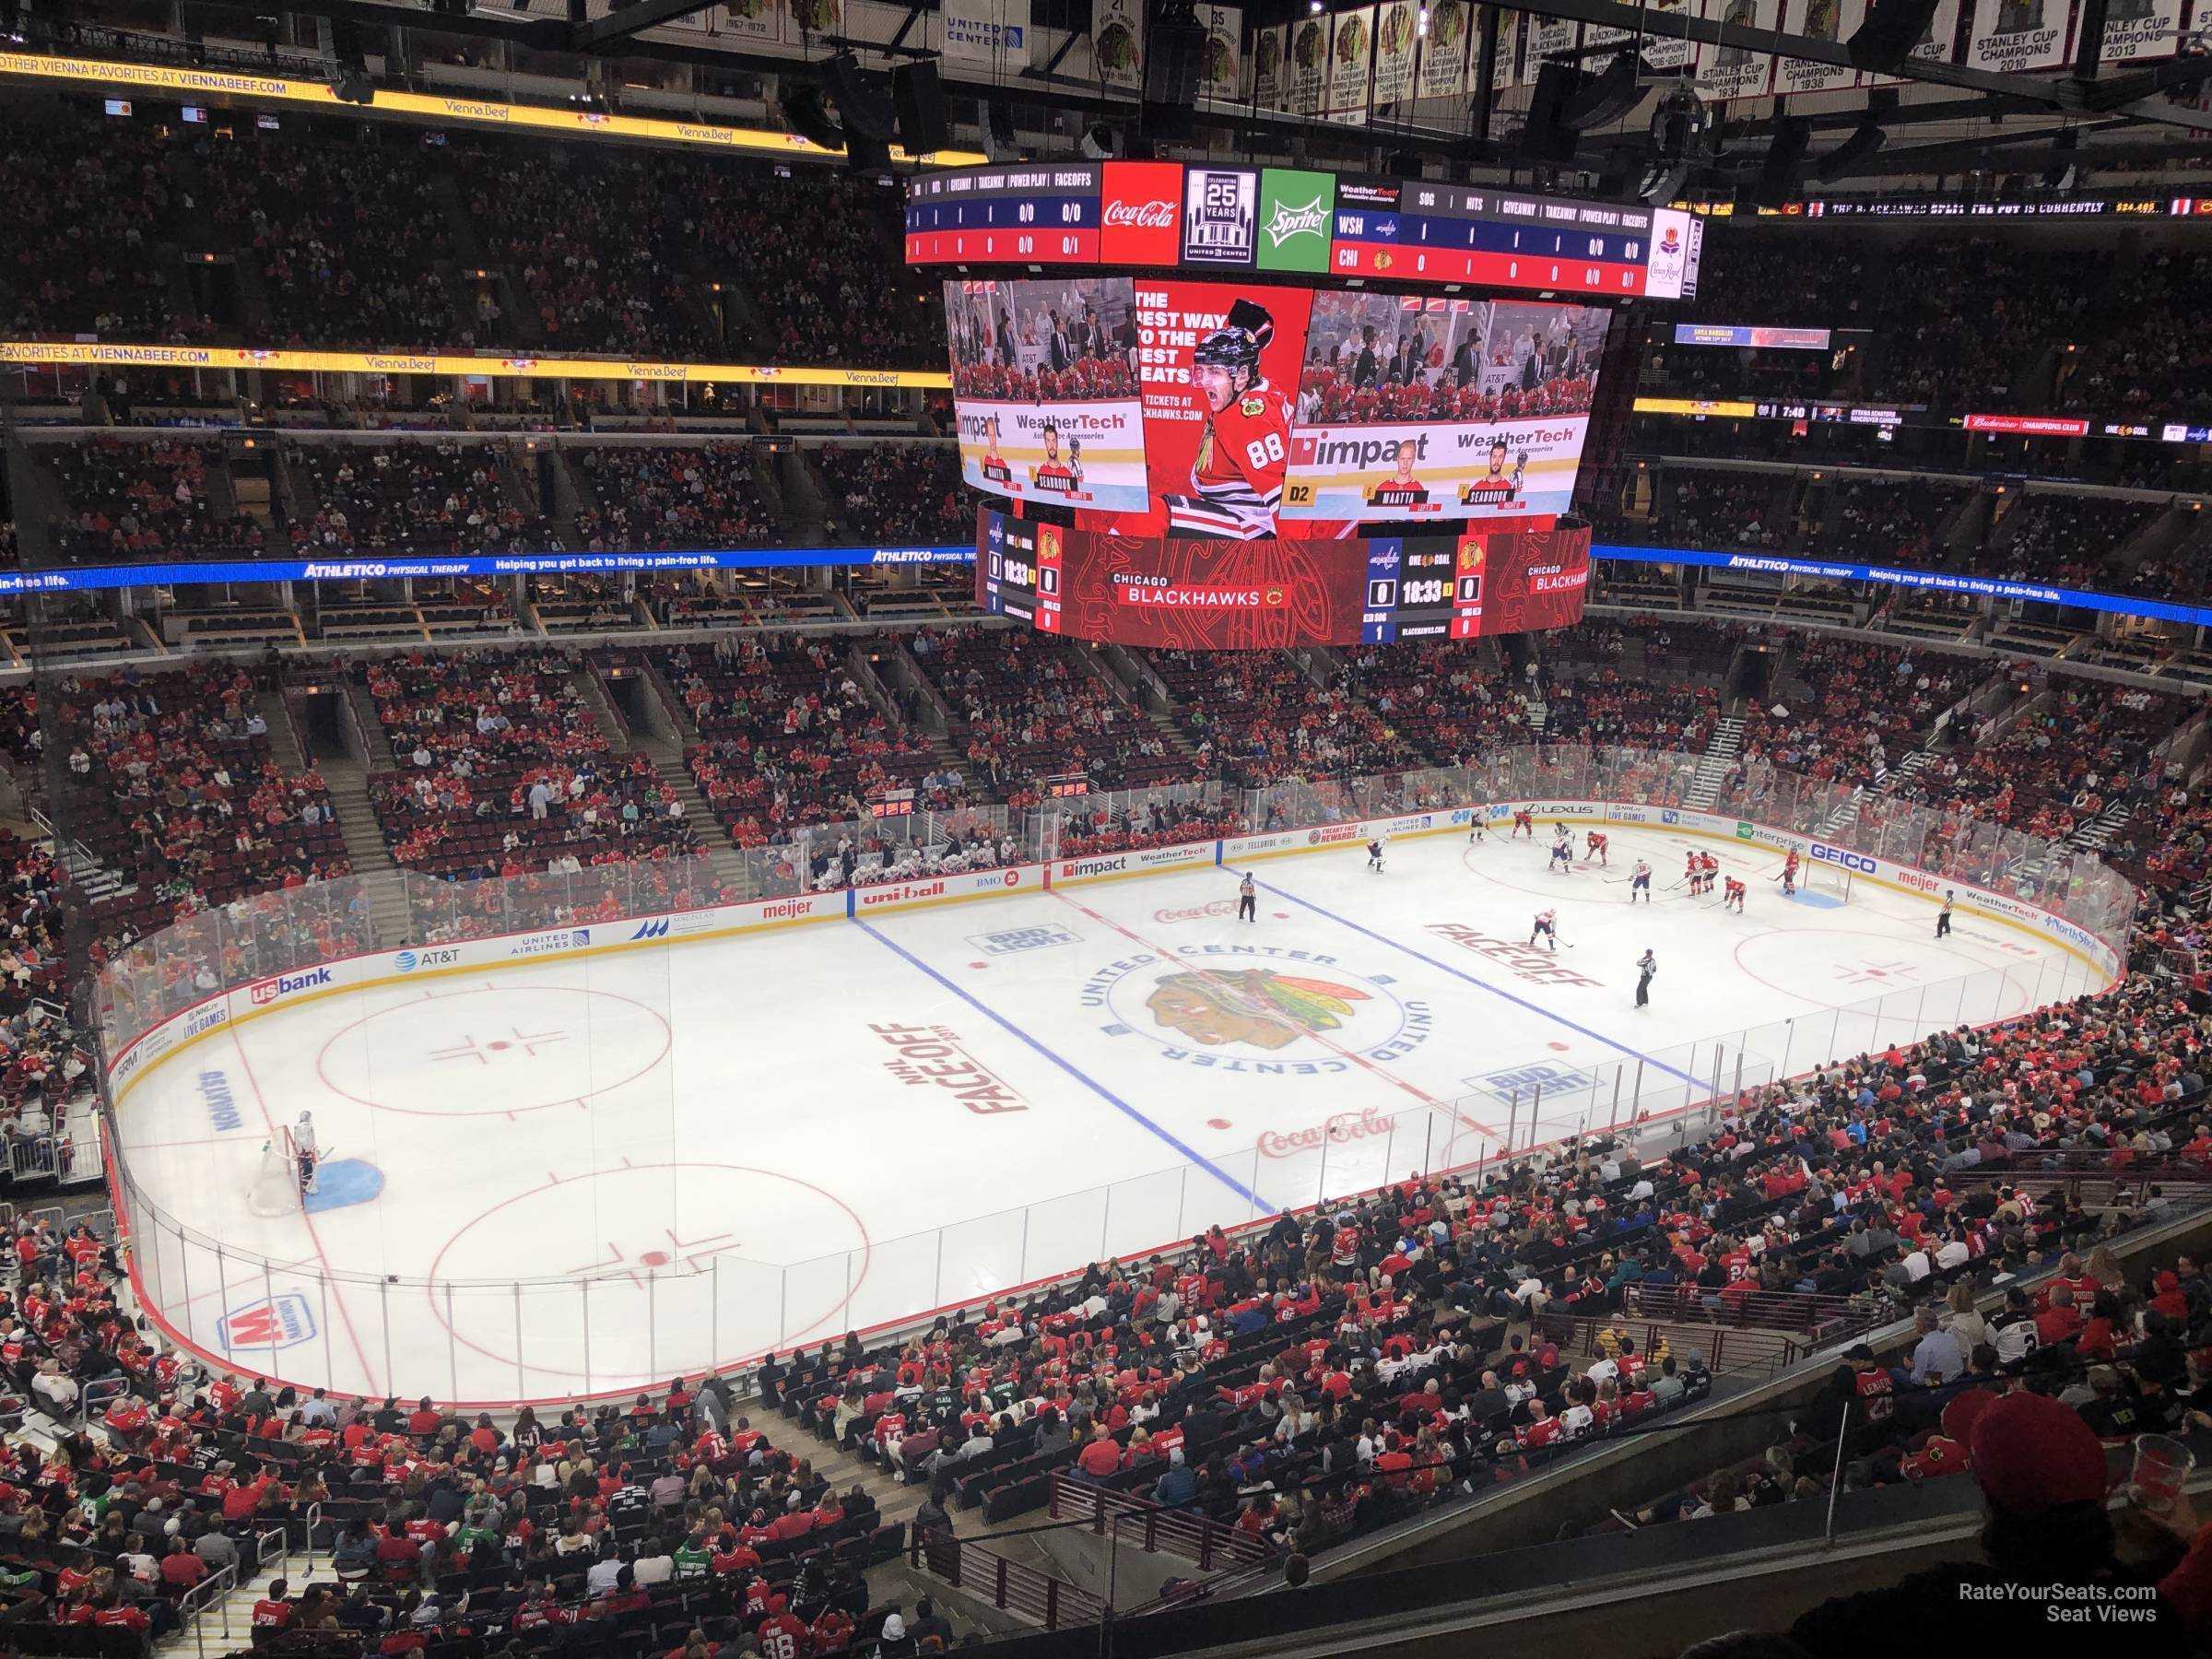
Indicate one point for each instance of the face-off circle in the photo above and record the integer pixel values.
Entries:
(1848, 966)
(643, 1233)
(494, 1051)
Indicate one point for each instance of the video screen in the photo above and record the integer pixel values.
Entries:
(1166, 408)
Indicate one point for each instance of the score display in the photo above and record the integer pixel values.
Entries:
(1220, 220)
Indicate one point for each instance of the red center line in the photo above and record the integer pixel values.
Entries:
(338, 1289)
(1335, 1048)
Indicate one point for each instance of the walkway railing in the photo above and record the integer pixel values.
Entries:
(1007, 1585)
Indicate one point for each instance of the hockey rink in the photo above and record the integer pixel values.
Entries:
(589, 1174)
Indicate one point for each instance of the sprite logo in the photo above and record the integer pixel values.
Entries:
(1288, 222)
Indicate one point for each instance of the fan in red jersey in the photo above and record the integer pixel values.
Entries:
(1237, 479)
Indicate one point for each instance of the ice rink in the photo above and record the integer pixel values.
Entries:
(587, 1174)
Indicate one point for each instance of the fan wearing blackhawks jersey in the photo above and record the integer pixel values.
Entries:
(1237, 479)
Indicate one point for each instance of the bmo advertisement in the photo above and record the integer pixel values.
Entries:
(1271, 593)
(1168, 407)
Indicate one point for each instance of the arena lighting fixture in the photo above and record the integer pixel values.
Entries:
(1420, 24)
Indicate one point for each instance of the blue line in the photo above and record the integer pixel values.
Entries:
(1460, 973)
(1260, 1205)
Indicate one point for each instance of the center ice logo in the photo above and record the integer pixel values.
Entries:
(1293, 1012)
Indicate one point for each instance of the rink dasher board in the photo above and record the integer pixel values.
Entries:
(223, 1010)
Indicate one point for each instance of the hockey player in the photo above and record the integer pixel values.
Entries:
(1478, 828)
(1524, 818)
(1546, 928)
(1639, 881)
(1594, 852)
(1562, 854)
(1789, 873)
(1374, 857)
(1237, 476)
(1733, 898)
(1710, 867)
(1692, 872)
(305, 1150)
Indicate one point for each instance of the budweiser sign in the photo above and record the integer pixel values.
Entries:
(1345, 1126)
(1139, 215)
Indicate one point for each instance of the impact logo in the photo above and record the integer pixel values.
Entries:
(267, 991)
(1256, 1008)
(1020, 938)
(283, 1321)
(406, 962)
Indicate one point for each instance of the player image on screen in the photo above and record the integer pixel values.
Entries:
(1054, 474)
(1497, 484)
(1237, 477)
(994, 463)
(1402, 488)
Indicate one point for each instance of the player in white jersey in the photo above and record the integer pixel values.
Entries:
(1562, 855)
(1639, 881)
(1547, 928)
(306, 1149)
(1374, 857)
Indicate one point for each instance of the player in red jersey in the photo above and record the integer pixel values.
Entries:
(1524, 818)
(1709, 866)
(1789, 873)
(1237, 479)
(1595, 851)
(1733, 898)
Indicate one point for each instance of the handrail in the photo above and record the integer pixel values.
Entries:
(213, 1591)
(1008, 1585)
(1152, 1527)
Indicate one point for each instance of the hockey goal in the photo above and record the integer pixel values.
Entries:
(1826, 880)
(276, 1189)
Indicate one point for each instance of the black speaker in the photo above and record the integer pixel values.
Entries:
(860, 106)
(1546, 137)
(1779, 174)
(1866, 139)
(1604, 98)
(1892, 28)
(918, 96)
(1174, 61)
(804, 107)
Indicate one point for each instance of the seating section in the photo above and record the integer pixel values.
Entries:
(2069, 539)
(785, 737)
(171, 781)
(411, 497)
(1440, 697)
(2062, 763)
(1024, 708)
(654, 496)
(495, 767)
(896, 493)
(129, 501)
(1869, 705)
(1889, 521)
(1257, 718)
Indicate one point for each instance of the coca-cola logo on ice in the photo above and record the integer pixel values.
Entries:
(1140, 212)
(1150, 216)
(1344, 1127)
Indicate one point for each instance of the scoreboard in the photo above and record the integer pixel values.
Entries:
(1222, 220)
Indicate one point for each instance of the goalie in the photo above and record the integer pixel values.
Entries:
(1237, 478)
(305, 1150)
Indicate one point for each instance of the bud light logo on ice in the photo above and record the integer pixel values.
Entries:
(283, 1321)
(284, 984)
(1525, 1081)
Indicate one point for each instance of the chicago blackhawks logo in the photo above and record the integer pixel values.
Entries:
(1256, 1008)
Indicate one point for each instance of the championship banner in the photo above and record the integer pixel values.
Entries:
(1043, 392)
(1270, 68)
(981, 31)
(1835, 20)
(1398, 45)
(1547, 38)
(1199, 593)
(1730, 72)
(2019, 34)
(805, 19)
(1414, 406)
(1660, 51)
(1309, 64)
(1351, 66)
(2136, 30)
(1509, 27)
(1444, 55)
(751, 20)
(1934, 43)
(1221, 65)
(1117, 44)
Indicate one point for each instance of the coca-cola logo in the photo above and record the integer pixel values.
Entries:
(1344, 1127)
(1220, 907)
(1140, 215)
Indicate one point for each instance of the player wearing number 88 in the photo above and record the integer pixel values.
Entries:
(1237, 477)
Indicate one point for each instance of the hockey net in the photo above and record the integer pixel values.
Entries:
(1826, 878)
(276, 1189)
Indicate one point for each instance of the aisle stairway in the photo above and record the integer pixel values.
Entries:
(1714, 765)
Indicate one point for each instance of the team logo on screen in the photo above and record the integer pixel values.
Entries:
(1257, 1008)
